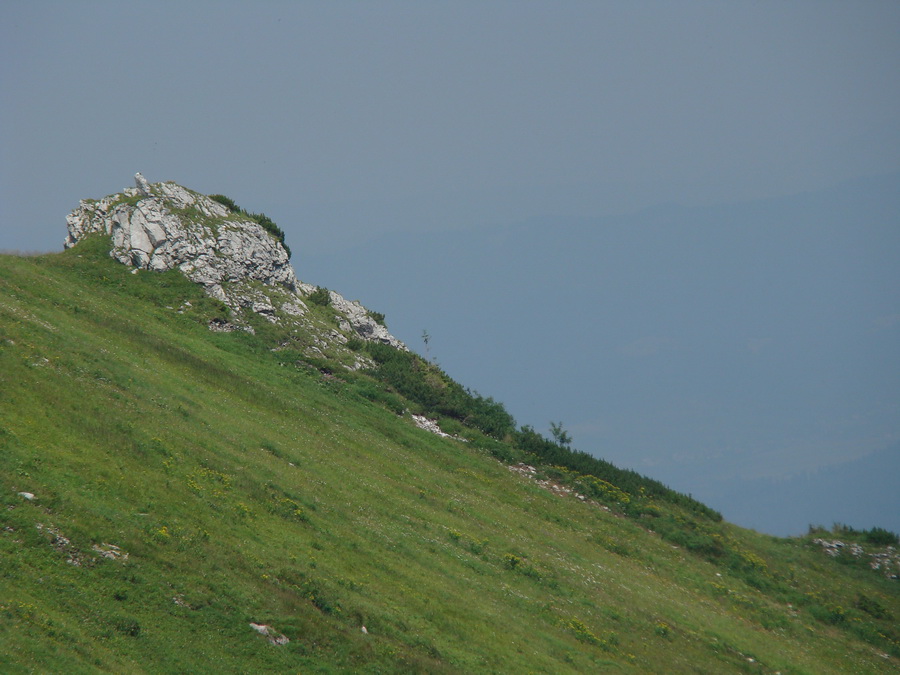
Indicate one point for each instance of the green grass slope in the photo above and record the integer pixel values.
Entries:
(189, 483)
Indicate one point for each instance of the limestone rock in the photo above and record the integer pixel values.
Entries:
(177, 228)
(141, 183)
(353, 316)
(165, 226)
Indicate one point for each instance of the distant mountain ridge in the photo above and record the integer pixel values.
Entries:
(850, 493)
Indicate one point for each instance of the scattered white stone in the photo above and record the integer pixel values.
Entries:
(887, 561)
(273, 635)
(26, 495)
(365, 632)
(524, 469)
(110, 551)
(553, 486)
(62, 544)
(431, 425)
(222, 326)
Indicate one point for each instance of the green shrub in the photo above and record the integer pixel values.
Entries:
(377, 317)
(128, 626)
(872, 607)
(321, 297)
(830, 614)
(371, 391)
(261, 218)
(627, 481)
(434, 391)
(881, 537)
(227, 202)
(511, 561)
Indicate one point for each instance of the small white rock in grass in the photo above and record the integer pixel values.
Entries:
(365, 632)
(110, 551)
(274, 636)
(26, 495)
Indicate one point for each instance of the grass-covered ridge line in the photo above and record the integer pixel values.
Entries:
(433, 392)
(247, 485)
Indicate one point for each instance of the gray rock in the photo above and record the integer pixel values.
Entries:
(142, 185)
(355, 317)
(166, 226)
(177, 228)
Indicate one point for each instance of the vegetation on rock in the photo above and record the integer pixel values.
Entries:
(261, 218)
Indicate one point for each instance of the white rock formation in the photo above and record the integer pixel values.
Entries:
(166, 226)
(142, 185)
(356, 317)
(177, 228)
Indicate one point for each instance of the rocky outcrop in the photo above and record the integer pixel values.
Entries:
(174, 227)
(887, 561)
(165, 226)
(357, 318)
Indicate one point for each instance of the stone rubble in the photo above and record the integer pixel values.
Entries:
(62, 544)
(553, 486)
(164, 226)
(273, 635)
(76, 557)
(431, 425)
(110, 551)
(887, 561)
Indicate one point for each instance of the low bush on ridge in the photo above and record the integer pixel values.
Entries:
(261, 218)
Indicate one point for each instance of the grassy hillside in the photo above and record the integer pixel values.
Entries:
(188, 483)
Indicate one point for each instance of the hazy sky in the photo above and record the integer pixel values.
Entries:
(351, 118)
(349, 122)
